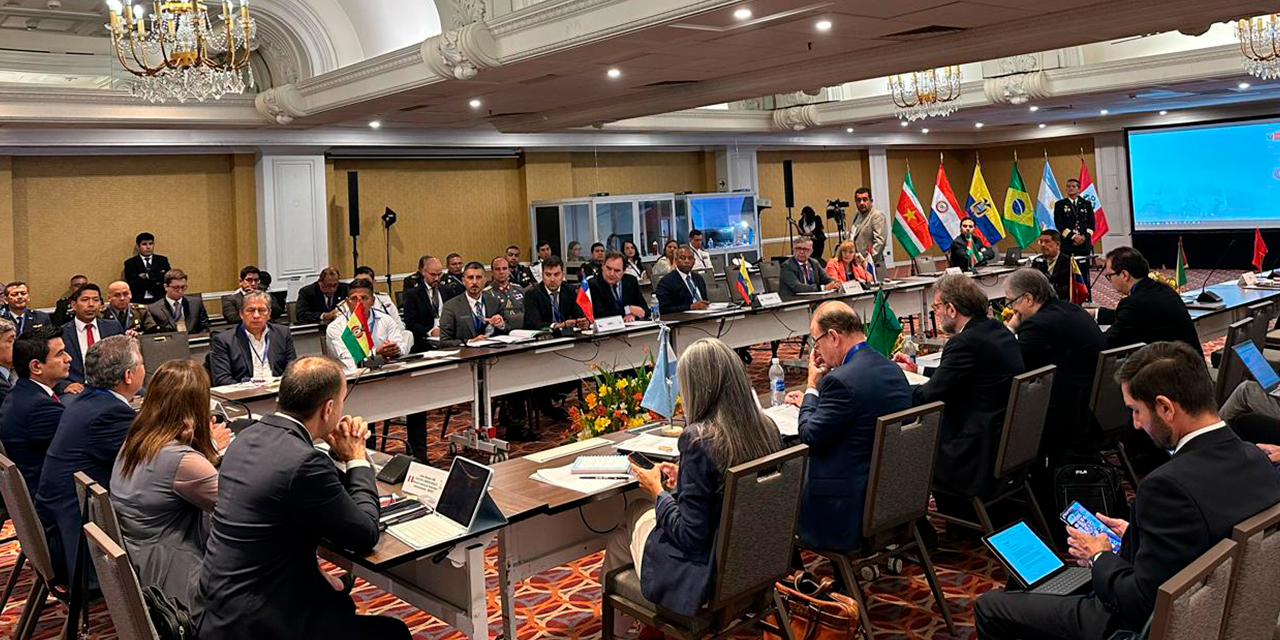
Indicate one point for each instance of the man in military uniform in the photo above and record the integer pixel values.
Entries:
(135, 318)
(521, 275)
(453, 274)
(511, 412)
(1073, 216)
(869, 230)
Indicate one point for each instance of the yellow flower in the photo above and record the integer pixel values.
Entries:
(602, 423)
(604, 390)
(591, 399)
(622, 384)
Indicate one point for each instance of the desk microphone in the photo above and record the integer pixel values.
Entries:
(373, 362)
(1206, 295)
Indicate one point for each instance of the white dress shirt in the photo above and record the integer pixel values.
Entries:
(384, 328)
(82, 337)
(701, 259)
(44, 386)
(1197, 433)
(258, 354)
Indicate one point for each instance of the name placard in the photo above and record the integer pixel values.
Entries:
(424, 483)
(952, 271)
(769, 299)
(611, 323)
(853, 286)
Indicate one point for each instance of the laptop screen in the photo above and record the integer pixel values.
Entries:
(1024, 553)
(463, 490)
(1258, 365)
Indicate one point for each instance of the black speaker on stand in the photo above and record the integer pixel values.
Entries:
(388, 219)
(789, 197)
(353, 215)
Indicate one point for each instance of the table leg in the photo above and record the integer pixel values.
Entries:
(506, 589)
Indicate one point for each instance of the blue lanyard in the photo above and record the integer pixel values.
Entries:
(266, 346)
(856, 348)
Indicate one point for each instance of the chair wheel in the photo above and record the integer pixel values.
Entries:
(497, 457)
(870, 573)
(894, 566)
(453, 449)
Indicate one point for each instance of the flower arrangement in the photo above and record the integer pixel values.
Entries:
(1165, 278)
(614, 405)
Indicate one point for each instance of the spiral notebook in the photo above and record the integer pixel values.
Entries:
(614, 465)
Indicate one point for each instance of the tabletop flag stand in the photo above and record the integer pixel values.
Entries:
(1079, 289)
(1259, 249)
(356, 337)
(1180, 269)
(909, 224)
(1017, 209)
(884, 328)
(742, 282)
(584, 301)
(660, 397)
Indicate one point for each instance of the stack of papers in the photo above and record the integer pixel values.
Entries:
(564, 478)
(446, 353)
(787, 417)
(652, 445)
(614, 465)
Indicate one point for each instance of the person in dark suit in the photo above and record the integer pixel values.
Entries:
(133, 318)
(614, 293)
(89, 435)
(83, 332)
(1054, 264)
(62, 308)
(177, 311)
(250, 282)
(681, 290)
(318, 302)
(1074, 218)
(552, 304)
(278, 496)
(973, 378)
(850, 385)
(145, 272)
(1150, 311)
(8, 335)
(474, 314)
(29, 417)
(802, 273)
(1182, 509)
(24, 319)
(255, 350)
(670, 540)
(423, 305)
(968, 251)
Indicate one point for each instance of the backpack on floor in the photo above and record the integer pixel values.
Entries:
(1095, 486)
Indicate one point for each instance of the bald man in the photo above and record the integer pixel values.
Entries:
(133, 317)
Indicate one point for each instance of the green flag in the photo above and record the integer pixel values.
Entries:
(1019, 215)
(1180, 271)
(884, 329)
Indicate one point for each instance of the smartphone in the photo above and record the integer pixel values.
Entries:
(1079, 517)
(640, 460)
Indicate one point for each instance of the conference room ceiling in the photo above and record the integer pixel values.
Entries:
(74, 17)
(715, 57)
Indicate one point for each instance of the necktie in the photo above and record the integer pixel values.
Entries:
(617, 294)
(479, 318)
(88, 335)
(146, 263)
(19, 321)
(179, 321)
(804, 266)
(435, 299)
(555, 306)
(693, 289)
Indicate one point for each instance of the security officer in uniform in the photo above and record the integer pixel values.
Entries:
(1073, 216)
(511, 408)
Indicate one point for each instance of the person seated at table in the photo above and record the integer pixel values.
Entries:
(472, 316)
(1053, 263)
(973, 378)
(682, 289)
(669, 537)
(278, 497)
(552, 305)
(848, 265)
(62, 308)
(507, 292)
(453, 274)
(30, 414)
(521, 274)
(614, 293)
(1150, 311)
(24, 318)
(968, 250)
(850, 386)
(8, 335)
(666, 263)
(177, 311)
(82, 332)
(390, 338)
(164, 481)
(134, 318)
(318, 302)
(250, 282)
(592, 267)
(803, 273)
(254, 350)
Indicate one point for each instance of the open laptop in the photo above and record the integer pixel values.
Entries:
(1013, 257)
(1257, 364)
(1034, 564)
(464, 490)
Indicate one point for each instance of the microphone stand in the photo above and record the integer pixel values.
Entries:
(1207, 296)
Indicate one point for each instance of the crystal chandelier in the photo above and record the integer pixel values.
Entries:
(934, 93)
(1260, 45)
(178, 52)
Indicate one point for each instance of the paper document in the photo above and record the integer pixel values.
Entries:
(564, 478)
(510, 339)
(787, 417)
(526, 334)
(443, 353)
(915, 379)
(812, 293)
(567, 450)
(483, 342)
(425, 483)
(652, 444)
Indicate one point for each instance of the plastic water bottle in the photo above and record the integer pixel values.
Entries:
(777, 384)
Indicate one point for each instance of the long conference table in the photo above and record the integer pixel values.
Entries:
(548, 526)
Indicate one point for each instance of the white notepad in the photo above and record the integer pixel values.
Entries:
(614, 465)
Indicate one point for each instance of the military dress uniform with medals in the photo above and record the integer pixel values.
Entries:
(1075, 217)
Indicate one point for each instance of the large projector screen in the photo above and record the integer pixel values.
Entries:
(1220, 176)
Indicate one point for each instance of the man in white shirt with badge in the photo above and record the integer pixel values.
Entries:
(390, 338)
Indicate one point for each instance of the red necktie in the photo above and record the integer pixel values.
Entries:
(805, 268)
(88, 335)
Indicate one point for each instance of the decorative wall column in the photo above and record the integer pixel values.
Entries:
(1111, 158)
(736, 169)
(878, 166)
(293, 229)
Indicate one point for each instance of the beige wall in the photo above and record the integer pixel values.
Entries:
(818, 176)
(80, 214)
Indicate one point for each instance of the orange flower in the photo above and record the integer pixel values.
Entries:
(600, 410)
(638, 396)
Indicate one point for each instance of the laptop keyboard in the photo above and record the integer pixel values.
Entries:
(426, 531)
(1066, 583)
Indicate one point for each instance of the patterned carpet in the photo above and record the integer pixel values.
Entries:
(565, 602)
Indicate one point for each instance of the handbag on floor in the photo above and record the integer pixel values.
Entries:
(817, 612)
(170, 617)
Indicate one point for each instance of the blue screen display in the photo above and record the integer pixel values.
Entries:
(1223, 176)
(725, 221)
(1025, 553)
(1257, 364)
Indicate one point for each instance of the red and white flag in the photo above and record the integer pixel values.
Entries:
(1089, 192)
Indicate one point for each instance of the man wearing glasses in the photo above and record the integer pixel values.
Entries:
(1150, 311)
(177, 311)
(250, 282)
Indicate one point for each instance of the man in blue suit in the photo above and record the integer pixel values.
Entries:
(256, 349)
(850, 386)
(681, 289)
(82, 332)
(89, 436)
(30, 414)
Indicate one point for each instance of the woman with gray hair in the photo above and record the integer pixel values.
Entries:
(670, 540)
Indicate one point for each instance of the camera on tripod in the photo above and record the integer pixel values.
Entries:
(835, 210)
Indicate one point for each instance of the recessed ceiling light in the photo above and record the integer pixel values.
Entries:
(977, 125)
(1041, 125)
(925, 130)
(1104, 112)
(904, 123)
(823, 25)
(615, 73)
(376, 124)
(475, 103)
(1243, 85)
(742, 14)
(1163, 112)
(848, 129)
(1034, 108)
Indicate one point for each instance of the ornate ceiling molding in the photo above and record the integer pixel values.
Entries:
(461, 53)
(280, 105)
(796, 118)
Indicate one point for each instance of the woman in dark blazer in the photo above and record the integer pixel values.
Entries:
(671, 540)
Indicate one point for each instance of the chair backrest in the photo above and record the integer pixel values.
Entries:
(26, 524)
(1262, 313)
(1231, 370)
(159, 348)
(1024, 420)
(1191, 604)
(926, 265)
(770, 272)
(717, 291)
(718, 261)
(901, 471)
(753, 552)
(103, 513)
(1253, 603)
(120, 587)
(1105, 398)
